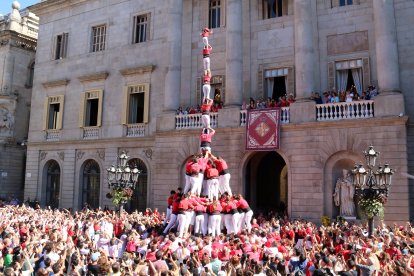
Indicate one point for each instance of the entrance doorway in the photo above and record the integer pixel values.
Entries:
(51, 186)
(267, 183)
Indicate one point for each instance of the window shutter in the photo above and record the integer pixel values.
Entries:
(82, 108)
(223, 13)
(100, 97)
(366, 73)
(45, 113)
(260, 80)
(146, 102)
(125, 106)
(64, 44)
(331, 75)
(148, 38)
(223, 89)
(198, 90)
(290, 80)
(60, 117)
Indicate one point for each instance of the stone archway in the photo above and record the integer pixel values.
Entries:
(90, 184)
(266, 182)
(51, 184)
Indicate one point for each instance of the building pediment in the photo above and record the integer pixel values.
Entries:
(137, 70)
(94, 77)
(55, 83)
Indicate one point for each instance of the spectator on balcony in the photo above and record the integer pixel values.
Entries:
(291, 98)
(316, 97)
(372, 91)
(284, 102)
(335, 97)
(342, 96)
(252, 104)
(349, 96)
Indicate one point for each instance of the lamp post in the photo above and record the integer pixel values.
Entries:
(372, 184)
(122, 179)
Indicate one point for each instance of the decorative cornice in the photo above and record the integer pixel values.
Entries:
(94, 77)
(55, 83)
(137, 70)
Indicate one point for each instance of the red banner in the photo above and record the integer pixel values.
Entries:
(263, 129)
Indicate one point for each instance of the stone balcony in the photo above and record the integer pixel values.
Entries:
(323, 112)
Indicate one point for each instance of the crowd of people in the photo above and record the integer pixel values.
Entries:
(350, 95)
(97, 242)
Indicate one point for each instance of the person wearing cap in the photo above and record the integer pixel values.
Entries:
(207, 49)
(224, 175)
(205, 112)
(174, 213)
(93, 267)
(206, 85)
(205, 33)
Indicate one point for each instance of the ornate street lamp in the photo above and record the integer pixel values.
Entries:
(371, 185)
(122, 180)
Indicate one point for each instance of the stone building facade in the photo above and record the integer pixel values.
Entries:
(110, 75)
(18, 36)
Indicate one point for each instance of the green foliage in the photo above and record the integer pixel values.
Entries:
(121, 196)
(371, 207)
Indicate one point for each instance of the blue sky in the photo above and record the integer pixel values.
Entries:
(5, 5)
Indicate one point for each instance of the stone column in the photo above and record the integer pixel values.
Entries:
(172, 87)
(173, 77)
(234, 54)
(230, 114)
(304, 109)
(390, 102)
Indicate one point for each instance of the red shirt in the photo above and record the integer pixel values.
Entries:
(206, 137)
(184, 204)
(206, 107)
(175, 207)
(221, 164)
(206, 78)
(207, 51)
(214, 207)
(242, 204)
(203, 163)
(170, 200)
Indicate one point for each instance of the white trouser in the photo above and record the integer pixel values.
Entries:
(200, 183)
(205, 41)
(171, 223)
(205, 224)
(212, 188)
(204, 186)
(190, 218)
(199, 224)
(214, 225)
(168, 214)
(247, 219)
(206, 63)
(237, 217)
(228, 221)
(224, 183)
(187, 186)
(205, 119)
(194, 183)
(182, 223)
(206, 91)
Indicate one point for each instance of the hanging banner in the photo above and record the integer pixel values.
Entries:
(263, 129)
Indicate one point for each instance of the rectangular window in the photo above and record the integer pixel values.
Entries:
(141, 28)
(274, 8)
(345, 2)
(214, 14)
(61, 46)
(98, 38)
(53, 112)
(276, 83)
(136, 104)
(91, 109)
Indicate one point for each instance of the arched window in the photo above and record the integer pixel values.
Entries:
(139, 198)
(91, 184)
(51, 185)
(30, 75)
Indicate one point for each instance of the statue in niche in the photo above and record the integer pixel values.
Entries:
(344, 195)
(6, 120)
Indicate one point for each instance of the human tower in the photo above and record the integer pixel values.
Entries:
(198, 208)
